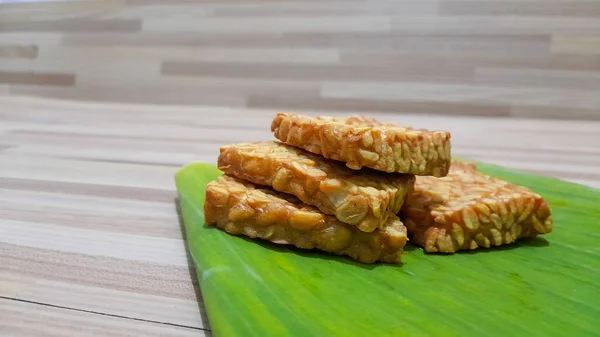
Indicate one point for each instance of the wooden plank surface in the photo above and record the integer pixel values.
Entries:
(22, 318)
(90, 238)
(87, 244)
(525, 59)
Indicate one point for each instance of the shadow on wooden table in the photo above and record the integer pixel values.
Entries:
(192, 270)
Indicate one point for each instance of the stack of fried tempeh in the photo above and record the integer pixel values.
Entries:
(300, 192)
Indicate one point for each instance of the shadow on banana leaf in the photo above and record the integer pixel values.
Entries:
(526, 242)
(315, 254)
(408, 249)
(312, 254)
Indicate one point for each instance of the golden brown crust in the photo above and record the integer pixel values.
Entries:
(240, 207)
(364, 198)
(364, 142)
(468, 209)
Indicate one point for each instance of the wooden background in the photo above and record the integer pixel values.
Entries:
(508, 58)
(90, 240)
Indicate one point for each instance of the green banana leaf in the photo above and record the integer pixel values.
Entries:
(548, 286)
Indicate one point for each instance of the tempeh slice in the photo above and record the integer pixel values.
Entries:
(365, 198)
(239, 207)
(364, 142)
(468, 209)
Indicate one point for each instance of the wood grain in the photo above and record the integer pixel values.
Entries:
(115, 25)
(24, 318)
(523, 59)
(354, 105)
(18, 51)
(37, 78)
(90, 237)
(521, 8)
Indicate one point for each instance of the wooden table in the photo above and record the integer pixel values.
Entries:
(90, 239)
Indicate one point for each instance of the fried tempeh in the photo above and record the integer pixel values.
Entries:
(364, 142)
(239, 207)
(468, 209)
(363, 198)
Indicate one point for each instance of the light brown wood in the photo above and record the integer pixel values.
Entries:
(532, 59)
(23, 318)
(18, 51)
(37, 78)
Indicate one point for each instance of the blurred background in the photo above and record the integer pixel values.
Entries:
(163, 83)
(505, 58)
